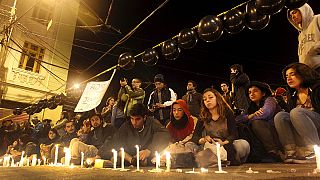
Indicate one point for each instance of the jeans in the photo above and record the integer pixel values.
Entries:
(298, 128)
(242, 148)
(76, 147)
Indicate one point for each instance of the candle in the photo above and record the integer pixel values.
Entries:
(157, 161)
(12, 163)
(82, 158)
(44, 160)
(168, 161)
(39, 162)
(122, 158)
(34, 160)
(28, 162)
(138, 158)
(115, 157)
(21, 160)
(56, 154)
(317, 152)
(5, 161)
(67, 156)
(219, 159)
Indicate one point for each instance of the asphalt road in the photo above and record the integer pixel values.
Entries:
(279, 171)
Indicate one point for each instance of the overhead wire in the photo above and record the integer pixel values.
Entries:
(126, 36)
(50, 72)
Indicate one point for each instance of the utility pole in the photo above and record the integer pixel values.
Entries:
(7, 33)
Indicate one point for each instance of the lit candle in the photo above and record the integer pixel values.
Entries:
(44, 160)
(12, 163)
(67, 156)
(138, 158)
(317, 152)
(56, 154)
(28, 162)
(5, 161)
(115, 156)
(82, 158)
(21, 160)
(39, 162)
(157, 161)
(34, 160)
(168, 161)
(122, 158)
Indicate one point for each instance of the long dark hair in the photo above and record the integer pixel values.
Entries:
(253, 107)
(222, 105)
(308, 75)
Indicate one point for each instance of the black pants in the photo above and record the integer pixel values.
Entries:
(267, 134)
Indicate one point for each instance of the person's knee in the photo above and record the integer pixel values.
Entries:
(280, 117)
(297, 115)
(241, 145)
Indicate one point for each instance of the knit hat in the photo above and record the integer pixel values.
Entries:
(159, 78)
(264, 87)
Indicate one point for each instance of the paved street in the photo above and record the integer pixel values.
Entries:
(279, 171)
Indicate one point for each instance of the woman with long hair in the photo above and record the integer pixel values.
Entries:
(259, 118)
(217, 125)
(298, 129)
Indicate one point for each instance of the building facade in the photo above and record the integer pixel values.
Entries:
(36, 44)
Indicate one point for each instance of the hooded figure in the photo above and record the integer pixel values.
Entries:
(308, 25)
(183, 128)
(240, 82)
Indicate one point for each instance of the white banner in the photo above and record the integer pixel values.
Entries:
(92, 96)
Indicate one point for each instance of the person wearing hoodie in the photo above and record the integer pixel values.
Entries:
(308, 25)
(240, 82)
(298, 128)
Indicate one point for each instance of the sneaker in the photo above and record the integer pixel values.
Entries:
(308, 159)
(289, 157)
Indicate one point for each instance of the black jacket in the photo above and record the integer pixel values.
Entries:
(314, 91)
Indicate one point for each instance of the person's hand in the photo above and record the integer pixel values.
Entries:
(208, 139)
(144, 154)
(250, 116)
(159, 105)
(218, 140)
(259, 112)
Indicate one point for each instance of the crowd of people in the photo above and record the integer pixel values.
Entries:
(250, 121)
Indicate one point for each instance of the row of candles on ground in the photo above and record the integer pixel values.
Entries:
(8, 161)
(67, 159)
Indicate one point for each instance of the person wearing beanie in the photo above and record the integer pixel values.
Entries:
(161, 99)
(259, 116)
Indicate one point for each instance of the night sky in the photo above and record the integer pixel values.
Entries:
(263, 53)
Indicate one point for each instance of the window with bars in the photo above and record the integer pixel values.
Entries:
(43, 12)
(31, 57)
